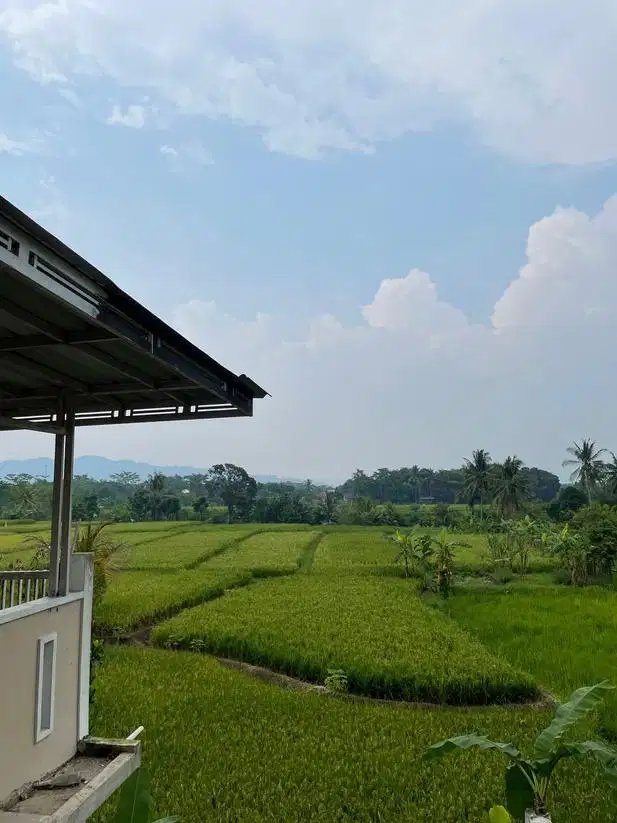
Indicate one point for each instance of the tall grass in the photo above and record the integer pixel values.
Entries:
(564, 637)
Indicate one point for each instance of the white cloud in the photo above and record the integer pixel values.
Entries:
(18, 147)
(133, 118)
(534, 80)
(416, 381)
(187, 156)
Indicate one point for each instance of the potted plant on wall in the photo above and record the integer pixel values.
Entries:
(527, 780)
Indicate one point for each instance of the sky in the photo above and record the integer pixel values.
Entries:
(400, 218)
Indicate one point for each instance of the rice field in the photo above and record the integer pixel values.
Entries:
(563, 637)
(183, 549)
(265, 554)
(138, 598)
(388, 643)
(220, 746)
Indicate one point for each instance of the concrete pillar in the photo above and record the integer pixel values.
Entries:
(56, 516)
(67, 499)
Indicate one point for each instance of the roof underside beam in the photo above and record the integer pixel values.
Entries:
(76, 395)
(45, 423)
(22, 342)
(29, 425)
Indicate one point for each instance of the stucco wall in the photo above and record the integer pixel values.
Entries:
(21, 759)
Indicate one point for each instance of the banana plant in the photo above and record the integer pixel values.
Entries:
(528, 779)
(135, 801)
(499, 814)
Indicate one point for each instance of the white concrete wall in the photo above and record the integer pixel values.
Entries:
(21, 758)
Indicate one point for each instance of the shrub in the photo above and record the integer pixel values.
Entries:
(597, 523)
(569, 500)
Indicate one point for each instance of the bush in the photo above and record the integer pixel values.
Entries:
(597, 523)
(569, 500)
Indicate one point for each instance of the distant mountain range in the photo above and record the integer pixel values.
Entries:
(100, 468)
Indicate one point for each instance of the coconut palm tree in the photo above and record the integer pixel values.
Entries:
(477, 480)
(610, 475)
(155, 485)
(588, 464)
(509, 486)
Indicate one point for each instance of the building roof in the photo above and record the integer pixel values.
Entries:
(72, 340)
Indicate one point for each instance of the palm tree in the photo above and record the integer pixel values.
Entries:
(509, 486)
(476, 484)
(610, 475)
(156, 487)
(589, 467)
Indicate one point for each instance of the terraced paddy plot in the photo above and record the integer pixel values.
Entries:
(376, 629)
(183, 549)
(137, 598)
(564, 637)
(264, 554)
(223, 747)
(356, 551)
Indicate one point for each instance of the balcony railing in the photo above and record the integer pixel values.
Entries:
(22, 586)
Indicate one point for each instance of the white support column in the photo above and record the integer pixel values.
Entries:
(82, 580)
(67, 499)
(56, 516)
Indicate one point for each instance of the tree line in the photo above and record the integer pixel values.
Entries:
(492, 490)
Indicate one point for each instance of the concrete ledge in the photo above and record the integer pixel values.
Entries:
(103, 766)
(43, 604)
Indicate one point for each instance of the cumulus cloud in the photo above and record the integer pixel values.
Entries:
(532, 80)
(133, 118)
(416, 381)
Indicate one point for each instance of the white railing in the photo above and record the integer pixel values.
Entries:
(22, 586)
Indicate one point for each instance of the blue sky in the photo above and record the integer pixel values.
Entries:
(260, 180)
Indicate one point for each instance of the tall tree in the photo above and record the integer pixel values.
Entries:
(588, 464)
(328, 503)
(200, 506)
(509, 486)
(233, 486)
(125, 478)
(155, 485)
(477, 478)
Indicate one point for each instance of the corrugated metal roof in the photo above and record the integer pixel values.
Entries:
(70, 336)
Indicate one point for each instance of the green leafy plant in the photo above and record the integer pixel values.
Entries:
(522, 537)
(527, 780)
(444, 561)
(499, 814)
(336, 681)
(135, 801)
(89, 538)
(406, 546)
(571, 548)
